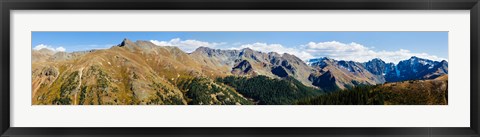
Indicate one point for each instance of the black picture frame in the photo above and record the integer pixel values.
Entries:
(8, 5)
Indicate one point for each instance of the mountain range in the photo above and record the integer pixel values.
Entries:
(143, 73)
(342, 74)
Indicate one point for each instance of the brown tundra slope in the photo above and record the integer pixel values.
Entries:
(129, 73)
(421, 92)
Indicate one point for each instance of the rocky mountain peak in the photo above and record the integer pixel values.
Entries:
(125, 42)
(139, 45)
(378, 60)
(246, 51)
(206, 50)
(274, 54)
(292, 58)
(322, 62)
(203, 49)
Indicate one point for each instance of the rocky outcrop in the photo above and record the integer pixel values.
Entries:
(256, 63)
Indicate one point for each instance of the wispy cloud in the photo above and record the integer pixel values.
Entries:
(187, 45)
(333, 49)
(237, 43)
(357, 52)
(43, 46)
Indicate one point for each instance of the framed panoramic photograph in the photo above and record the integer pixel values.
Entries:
(239, 68)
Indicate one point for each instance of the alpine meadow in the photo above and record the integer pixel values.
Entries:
(239, 68)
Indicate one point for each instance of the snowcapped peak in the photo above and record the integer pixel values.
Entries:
(318, 61)
(376, 59)
(315, 60)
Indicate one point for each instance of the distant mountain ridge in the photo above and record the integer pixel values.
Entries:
(143, 73)
(247, 62)
(376, 71)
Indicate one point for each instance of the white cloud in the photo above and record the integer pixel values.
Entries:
(333, 49)
(264, 47)
(186, 45)
(60, 49)
(237, 43)
(357, 52)
(43, 46)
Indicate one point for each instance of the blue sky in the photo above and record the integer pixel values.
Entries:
(357, 46)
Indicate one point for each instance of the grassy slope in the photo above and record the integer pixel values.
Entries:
(414, 92)
(120, 76)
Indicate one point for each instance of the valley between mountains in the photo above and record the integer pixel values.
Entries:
(142, 73)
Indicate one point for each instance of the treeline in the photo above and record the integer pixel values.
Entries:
(413, 92)
(269, 91)
(359, 95)
(203, 91)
